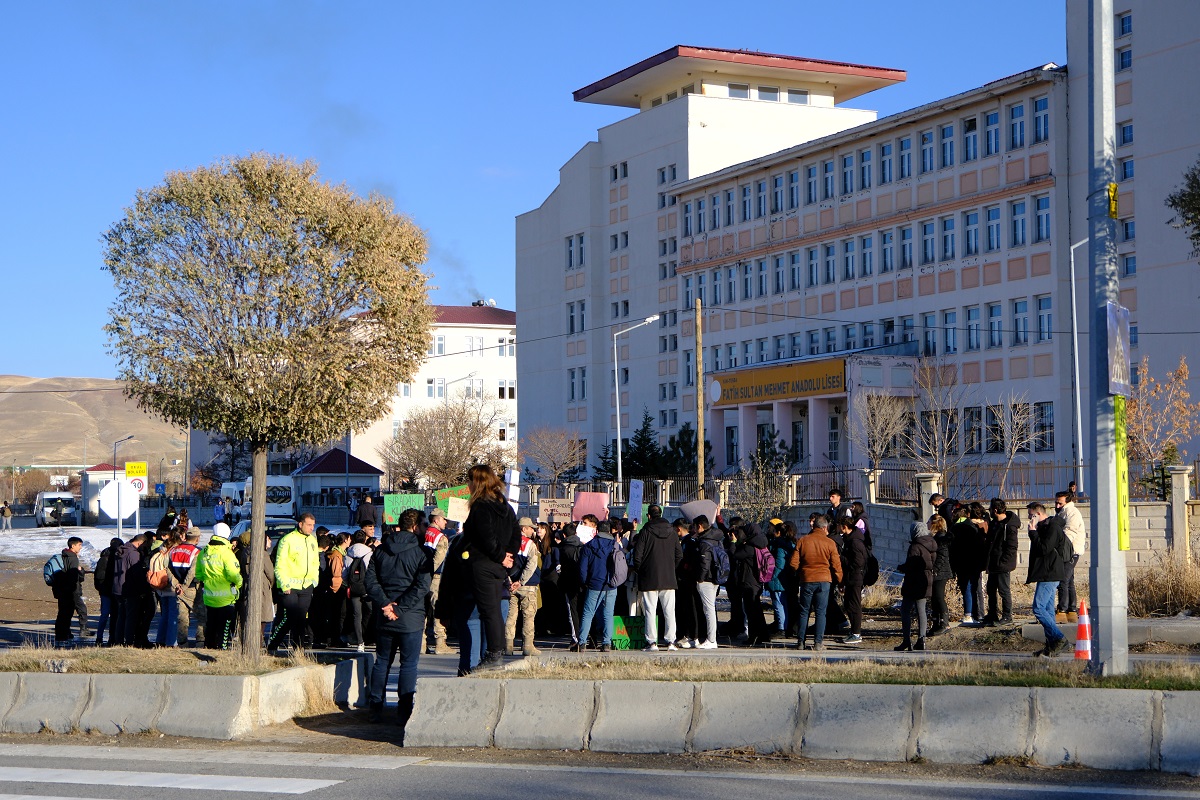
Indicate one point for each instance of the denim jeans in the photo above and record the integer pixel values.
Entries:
(106, 616)
(168, 621)
(814, 597)
(971, 585)
(590, 604)
(387, 645)
(780, 604)
(1044, 597)
(466, 624)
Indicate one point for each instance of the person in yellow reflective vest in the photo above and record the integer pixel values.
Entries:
(297, 564)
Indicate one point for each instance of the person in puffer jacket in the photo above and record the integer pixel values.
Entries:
(217, 568)
(595, 575)
(747, 541)
(917, 587)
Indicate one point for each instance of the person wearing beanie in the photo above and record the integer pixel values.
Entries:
(917, 587)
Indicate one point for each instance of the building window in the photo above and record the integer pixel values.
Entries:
(974, 328)
(762, 277)
(437, 346)
(797, 345)
(929, 323)
(1130, 264)
(850, 336)
(731, 285)
(1041, 208)
(731, 351)
(779, 276)
(780, 348)
(971, 233)
(716, 287)
(1017, 213)
(830, 263)
(947, 238)
(701, 220)
(992, 216)
(1124, 59)
(889, 331)
(864, 169)
(760, 200)
(769, 93)
(747, 204)
(991, 133)
(847, 174)
(887, 261)
(793, 190)
(972, 435)
(1043, 427)
(729, 204)
(776, 194)
(947, 146)
(406, 390)
(1016, 126)
(970, 139)
(1128, 232)
(814, 267)
(798, 96)
(582, 320)
(570, 385)
(1045, 319)
(867, 256)
(906, 157)
(814, 343)
(1125, 134)
(848, 260)
(908, 331)
(687, 219)
(762, 350)
(1020, 322)
(885, 163)
(810, 185)
(827, 180)
(700, 290)
(747, 281)
(926, 151)
(1126, 169)
(868, 334)
(994, 429)
(995, 325)
(928, 243)
(1041, 119)
(570, 252)
(831, 340)
(906, 247)
(689, 369)
(739, 90)
(794, 270)
(950, 330)
(1124, 24)
(835, 438)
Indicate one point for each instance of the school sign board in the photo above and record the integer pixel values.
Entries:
(785, 382)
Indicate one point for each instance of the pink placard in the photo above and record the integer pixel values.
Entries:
(590, 503)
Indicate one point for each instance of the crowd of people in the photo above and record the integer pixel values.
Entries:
(418, 587)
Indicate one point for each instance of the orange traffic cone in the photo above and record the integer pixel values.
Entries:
(1083, 634)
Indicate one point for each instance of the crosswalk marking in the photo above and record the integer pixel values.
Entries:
(183, 756)
(163, 780)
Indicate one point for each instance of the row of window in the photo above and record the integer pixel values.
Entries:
(771, 94)
(506, 346)
(673, 95)
(992, 428)
(576, 252)
(816, 182)
(966, 234)
(472, 387)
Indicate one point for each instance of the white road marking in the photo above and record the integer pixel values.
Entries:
(162, 780)
(171, 756)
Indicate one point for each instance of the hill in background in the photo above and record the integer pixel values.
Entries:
(49, 420)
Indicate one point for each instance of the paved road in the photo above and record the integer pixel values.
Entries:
(101, 773)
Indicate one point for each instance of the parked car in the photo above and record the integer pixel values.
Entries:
(46, 505)
(276, 528)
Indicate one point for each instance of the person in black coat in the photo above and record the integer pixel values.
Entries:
(67, 586)
(1047, 568)
(968, 558)
(567, 568)
(1001, 561)
(942, 573)
(492, 541)
(747, 541)
(917, 587)
(854, 568)
(656, 556)
(398, 578)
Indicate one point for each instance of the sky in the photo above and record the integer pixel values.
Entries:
(462, 114)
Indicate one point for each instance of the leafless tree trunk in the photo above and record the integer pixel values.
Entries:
(879, 421)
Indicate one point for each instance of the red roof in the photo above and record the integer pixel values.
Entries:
(333, 462)
(473, 315)
(104, 468)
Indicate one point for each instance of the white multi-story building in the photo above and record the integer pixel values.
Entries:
(830, 249)
(472, 349)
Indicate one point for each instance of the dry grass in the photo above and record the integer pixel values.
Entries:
(920, 671)
(1165, 588)
(883, 594)
(34, 657)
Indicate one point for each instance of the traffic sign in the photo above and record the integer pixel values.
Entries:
(128, 499)
(160, 489)
(140, 485)
(135, 469)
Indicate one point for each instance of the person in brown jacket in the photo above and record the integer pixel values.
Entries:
(818, 565)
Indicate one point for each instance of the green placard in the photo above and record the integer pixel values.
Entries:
(443, 496)
(393, 504)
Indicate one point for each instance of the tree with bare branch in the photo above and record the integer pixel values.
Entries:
(553, 453)
(1016, 432)
(878, 423)
(759, 491)
(1159, 416)
(931, 437)
(437, 444)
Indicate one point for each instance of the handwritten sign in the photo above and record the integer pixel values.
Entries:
(590, 503)
(554, 510)
(395, 504)
(456, 509)
(442, 496)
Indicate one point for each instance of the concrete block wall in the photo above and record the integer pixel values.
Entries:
(1103, 728)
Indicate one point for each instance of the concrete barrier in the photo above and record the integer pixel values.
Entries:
(969, 724)
(867, 722)
(459, 712)
(1179, 750)
(1103, 728)
(210, 706)
(546, 715)
(765, 716)
(48, 701)
(284, 694)
(124, 704)
(642, 717)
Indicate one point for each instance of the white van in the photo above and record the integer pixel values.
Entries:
(280, 500)
(232, 491)
(46, 504)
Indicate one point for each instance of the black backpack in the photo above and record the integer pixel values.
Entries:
(356, 577)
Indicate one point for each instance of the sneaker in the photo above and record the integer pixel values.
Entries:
(431, 650)
(853, 638)
(672, 647)
(362, 648)
(653, 648)
(604, 647)
(968, 620)
(683, 644)
(1006, 620)
(707, 645)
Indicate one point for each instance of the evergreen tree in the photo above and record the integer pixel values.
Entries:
(645, 457)
(679, 456)
(606, 468)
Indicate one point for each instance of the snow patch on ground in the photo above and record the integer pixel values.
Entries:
(41, 543)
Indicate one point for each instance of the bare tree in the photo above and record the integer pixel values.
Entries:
(931, 438)
(1159, 416)
(759, 491)
(880, 420)
(553, 452)
(1015, 431)
(439, 443)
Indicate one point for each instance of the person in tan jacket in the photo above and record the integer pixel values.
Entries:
(819, 567)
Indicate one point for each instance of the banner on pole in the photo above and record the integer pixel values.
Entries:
(1122, 473)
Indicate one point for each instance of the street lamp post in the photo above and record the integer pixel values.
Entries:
(617, 394)
(120, 518)
(466, 377)
(1075, 364)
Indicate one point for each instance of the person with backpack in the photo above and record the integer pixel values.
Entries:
(751, 567)
(602, 568)
(817, 562)
(102, 579)
(297, 567)
(782, 586)
(217, 569)
(854, 569)
(67, 586)
(354, 581)
(1049, 553)
(6, 515)
(165, 590)
(137, 606)
(712, 571)
(656, 556)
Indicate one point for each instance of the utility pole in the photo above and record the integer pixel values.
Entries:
(1109, 589)
(699, 403)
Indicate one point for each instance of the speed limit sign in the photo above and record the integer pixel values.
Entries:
(139, 484)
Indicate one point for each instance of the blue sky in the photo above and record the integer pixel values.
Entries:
(461, 113)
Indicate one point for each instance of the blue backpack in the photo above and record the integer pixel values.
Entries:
(720, 561)
(54, 566)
